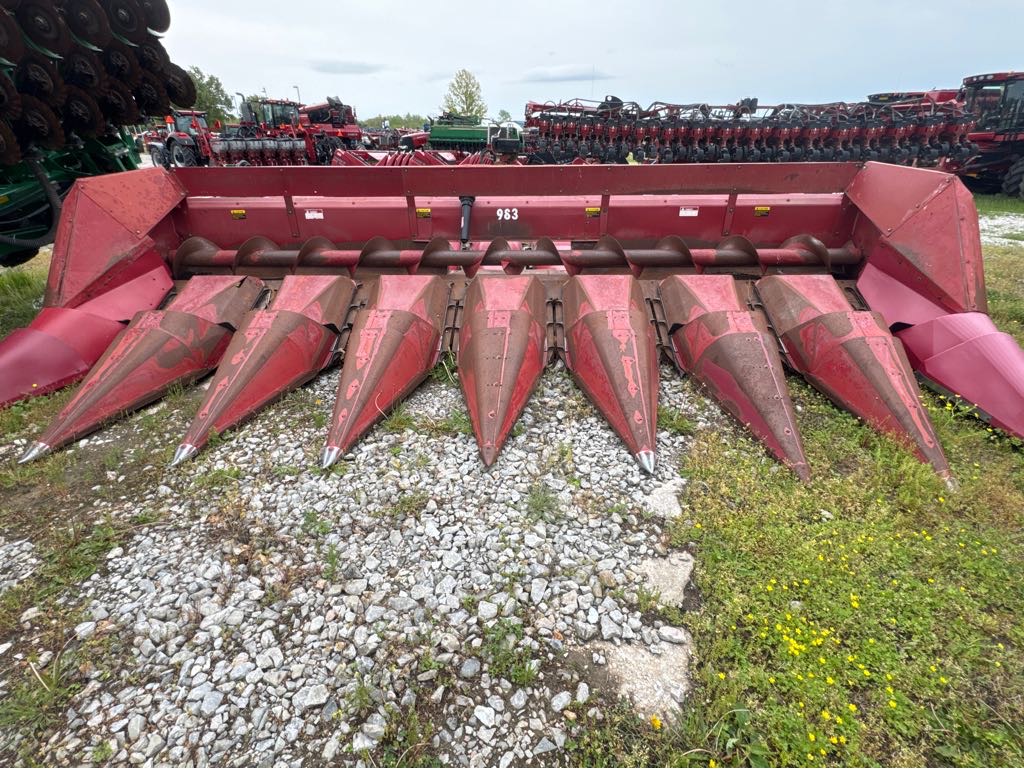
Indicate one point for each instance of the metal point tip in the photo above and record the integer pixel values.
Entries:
(329, 456)
(35, 451)
(183, 453)
(646, 461)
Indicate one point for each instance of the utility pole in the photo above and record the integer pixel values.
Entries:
(298, 96)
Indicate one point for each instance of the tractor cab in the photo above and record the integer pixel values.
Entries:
(190, 122)
(997, 100)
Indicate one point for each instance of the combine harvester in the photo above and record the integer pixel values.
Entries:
(852, 276)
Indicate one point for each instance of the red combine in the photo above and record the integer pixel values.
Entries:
(997, 103)
(852, 276)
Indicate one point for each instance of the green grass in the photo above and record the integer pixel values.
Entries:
(507, 658)
(541, 502)
(21, 293)
(998, 204)
(1004, 280)
(674, 421)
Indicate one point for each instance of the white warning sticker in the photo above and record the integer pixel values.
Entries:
(688, 211)
(314, 213)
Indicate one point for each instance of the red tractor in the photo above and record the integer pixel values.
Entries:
(186, 141)
(997, 101)
(330, 126)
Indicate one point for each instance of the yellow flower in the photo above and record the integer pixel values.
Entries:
(852, 708)
(942, 679)
(721, 676)
(842, 739)
(830, 680)
(655, 721)
(712, 763)
(892, 703)
(811, 737)
(826, 715)
(839, 719)
(771, 679)
(833, 739)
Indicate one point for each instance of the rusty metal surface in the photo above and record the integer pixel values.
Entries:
(273, 352)
(502, 352)
(729, 350)
(158, 349)
(394, 342)
(612, 356)
(852, 358)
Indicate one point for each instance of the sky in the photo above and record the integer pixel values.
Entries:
(397, 57)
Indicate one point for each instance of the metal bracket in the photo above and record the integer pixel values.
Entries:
(452, 322)
(556, 331)
(662, 339)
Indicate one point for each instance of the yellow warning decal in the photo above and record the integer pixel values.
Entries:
(237, 213)
(422, 213)
(593, 211)
(762, 210)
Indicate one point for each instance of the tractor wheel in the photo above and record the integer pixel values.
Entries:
(152, 56)
(182, 156)
(180, 87)
(158, 156)
(151, 96)
(38, 124)
(117, 103)
(12, 47)
(10, 101)
(158, 16)
(37, 76)
(82, 114)
(88, 21)
(43, 25)
(1013, 181)
(10, 152)
(121, 63)
(83, 68)
(126, 19)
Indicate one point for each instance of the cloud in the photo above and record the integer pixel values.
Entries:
(338, 67)
(564, 74)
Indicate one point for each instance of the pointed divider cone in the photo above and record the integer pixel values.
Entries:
(612, 355)
(274, 351)
(158, 349)
(728, 349)
(394, 343)
(852, 358)
(965, 354)
(502, 352)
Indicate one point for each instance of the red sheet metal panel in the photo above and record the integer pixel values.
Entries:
(107, 224)
(729, 350)
(611, 353)
(852, 358)
(158, 349)
(502, 352)
(921, 227)
(394, 343)
(966, 355)
(274, 351)
(58, 348)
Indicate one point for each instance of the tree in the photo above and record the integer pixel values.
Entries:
(211, 96)
(463, 96)
(504, 115)
(408, 120)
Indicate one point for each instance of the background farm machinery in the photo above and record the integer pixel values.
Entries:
(852, 276)
(271, 132)
(73, 74)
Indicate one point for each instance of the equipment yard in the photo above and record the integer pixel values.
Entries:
(410, 606)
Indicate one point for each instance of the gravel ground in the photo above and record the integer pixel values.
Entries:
(278, 615)
(995, 228)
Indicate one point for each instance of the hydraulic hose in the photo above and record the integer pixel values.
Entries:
(53, 197)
